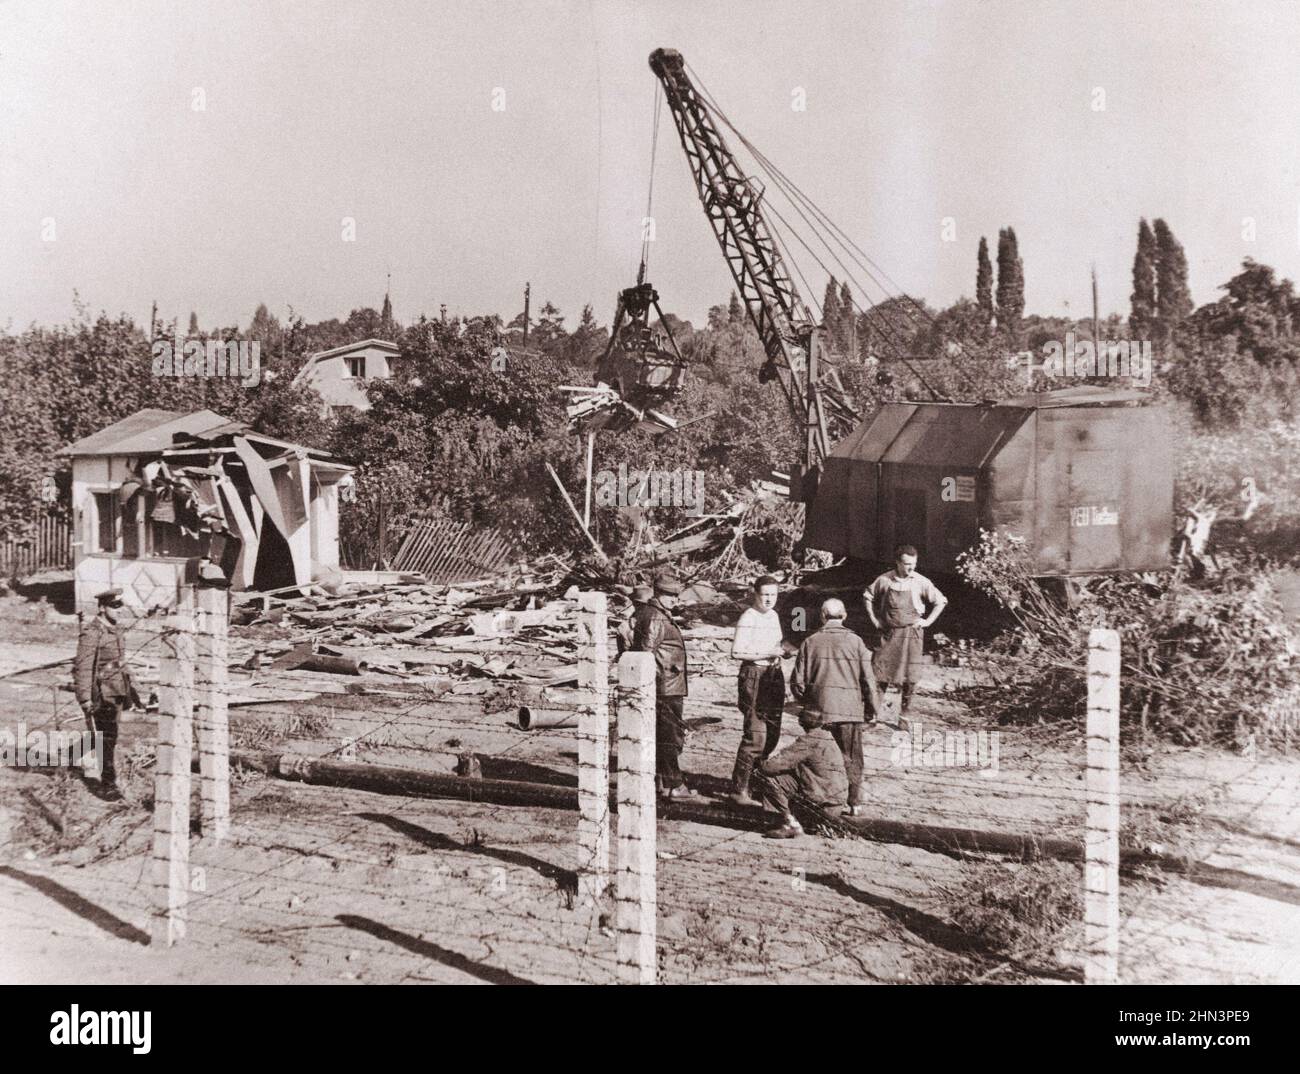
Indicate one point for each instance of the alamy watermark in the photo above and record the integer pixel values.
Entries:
(62, 749)
(1088, 358)
(75, 1026)
(209, 358)
(919, 748)
(650, 488)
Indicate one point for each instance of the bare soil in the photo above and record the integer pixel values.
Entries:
(318, 884)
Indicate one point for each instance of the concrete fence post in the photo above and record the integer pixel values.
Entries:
(593, 750)
(1101, 864)
(635, 891)
(211, 710)
(171, 811)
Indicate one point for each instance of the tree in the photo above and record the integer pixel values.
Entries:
(1143, 300)
(888, 330)
(1236, 360)
(848, 322)
(587, 342)
(984, 281)
(548, 333)
(386, 327)
(1173, 296)
(1011, 286)
(735, 311)
(265, 329)
(362, 324)
(831, 313)
(193, 331)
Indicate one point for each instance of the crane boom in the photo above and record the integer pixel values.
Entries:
(733, 204)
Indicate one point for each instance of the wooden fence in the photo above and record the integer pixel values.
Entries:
(444, 550)
(49, 547)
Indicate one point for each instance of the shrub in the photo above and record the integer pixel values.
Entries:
(1199, 662)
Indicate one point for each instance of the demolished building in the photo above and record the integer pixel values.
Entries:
(159, 489)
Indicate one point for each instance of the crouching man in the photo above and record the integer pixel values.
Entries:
(810, 771)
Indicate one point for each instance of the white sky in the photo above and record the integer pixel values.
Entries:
(381, 111)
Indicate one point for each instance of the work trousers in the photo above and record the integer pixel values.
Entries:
(104, 719)
(848, 736)
(670, 738)
(761, 695)
(778, 791)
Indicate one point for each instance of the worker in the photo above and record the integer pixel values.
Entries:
(640, 595)
(810, 771)
(653, 631)
(832, 676)
(760, 686)
(102, 684)
(896, 606)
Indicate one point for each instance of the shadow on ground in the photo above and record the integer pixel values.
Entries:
(82, 907)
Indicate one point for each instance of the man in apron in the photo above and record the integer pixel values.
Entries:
(896, 607)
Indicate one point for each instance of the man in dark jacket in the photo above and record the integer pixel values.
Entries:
(832, 676)
(810, 770)
(653, 631)
(103, 684)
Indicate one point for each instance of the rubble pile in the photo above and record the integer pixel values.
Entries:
(504, 643)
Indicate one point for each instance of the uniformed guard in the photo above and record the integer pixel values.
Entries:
(103, 684)
(655, 632)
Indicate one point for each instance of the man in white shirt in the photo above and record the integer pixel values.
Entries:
(896, 606)
(760, 685)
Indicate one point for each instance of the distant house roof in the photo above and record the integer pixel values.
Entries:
(348, 348)
(146, 432)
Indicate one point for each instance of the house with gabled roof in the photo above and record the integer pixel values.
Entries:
(339, 375)
(158, 491)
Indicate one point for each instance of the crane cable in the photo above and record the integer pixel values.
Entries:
(647, 224)
(796, 196)
(781, 182)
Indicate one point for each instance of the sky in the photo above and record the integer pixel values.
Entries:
(206, 155)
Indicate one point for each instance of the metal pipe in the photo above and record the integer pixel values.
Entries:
(530, 719)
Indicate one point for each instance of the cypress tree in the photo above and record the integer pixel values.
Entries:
(1011, 285)
(984, 281)
(848, 325)
(1173, 296)
(1142, 313)
(735, 312)
(831, 314)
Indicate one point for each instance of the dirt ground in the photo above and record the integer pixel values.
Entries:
(318, 884)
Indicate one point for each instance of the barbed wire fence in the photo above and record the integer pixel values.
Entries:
(284, 873)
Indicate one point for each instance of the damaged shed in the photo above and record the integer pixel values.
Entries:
(1085, 475)
(158, 488)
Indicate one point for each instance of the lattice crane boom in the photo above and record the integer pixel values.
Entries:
(733, 204)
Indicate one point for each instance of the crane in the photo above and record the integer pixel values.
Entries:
(733, 203)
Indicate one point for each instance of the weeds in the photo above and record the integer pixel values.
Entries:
(1200, 663)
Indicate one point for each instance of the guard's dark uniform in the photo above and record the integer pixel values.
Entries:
(655, 632)
(102, 682)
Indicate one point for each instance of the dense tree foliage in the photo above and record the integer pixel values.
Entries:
(1011, 286)
(984, 281)
(1143, 299)
(461, 432)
